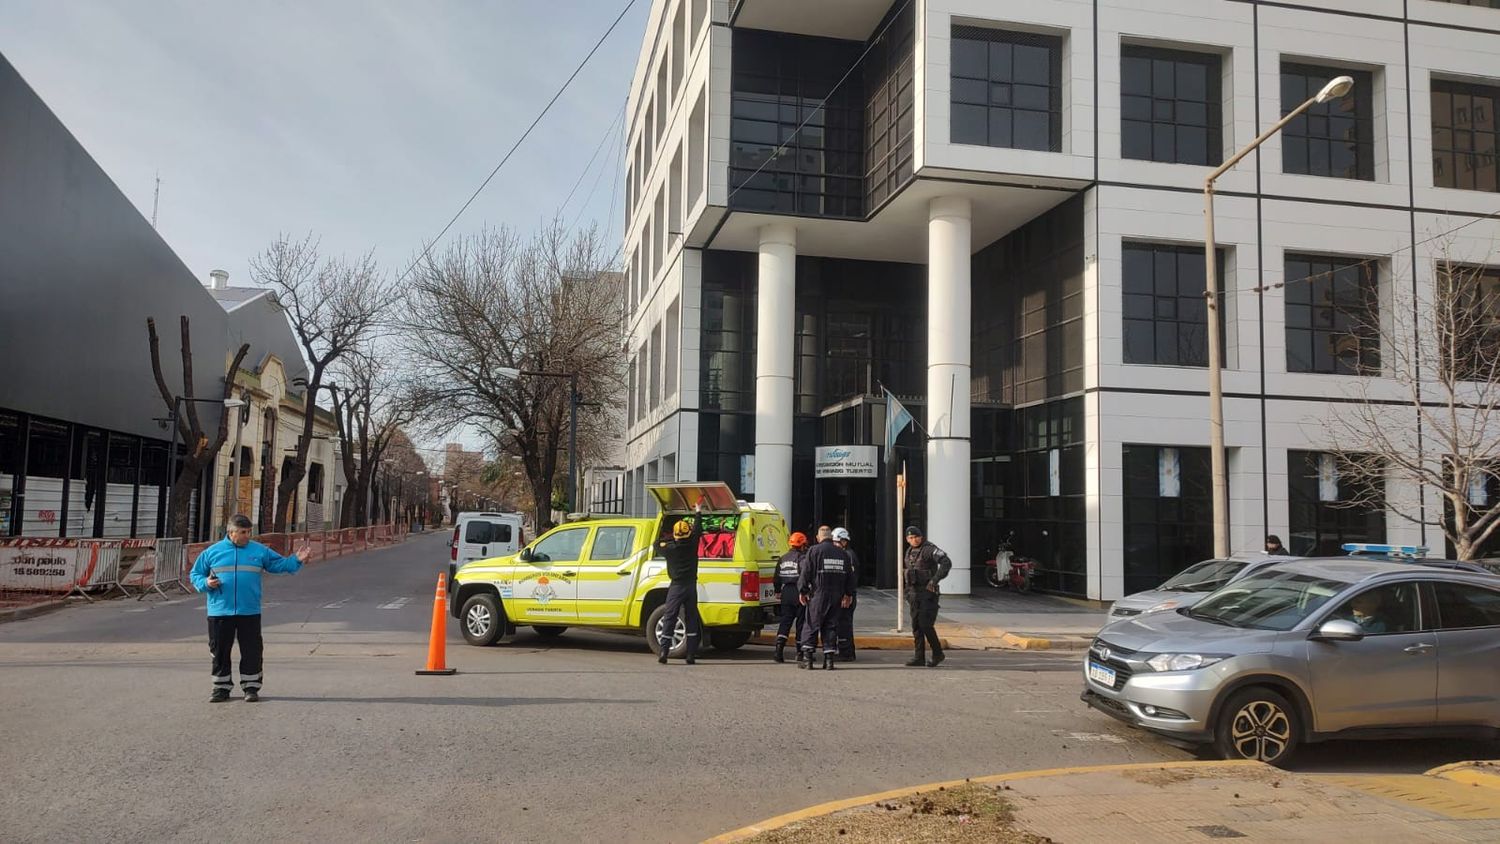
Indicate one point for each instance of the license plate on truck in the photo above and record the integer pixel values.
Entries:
(1101, 675)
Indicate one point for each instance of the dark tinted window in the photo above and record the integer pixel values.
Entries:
(1328, 509)
(479, 532)
(1332, 315)
(1463, 136)
(1462, 606)
(1169, 106)
(1169, 519)
(1166, 316)
(1006, 89)
(1336, 138)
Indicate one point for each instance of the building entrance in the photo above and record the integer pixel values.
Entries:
(853, 503)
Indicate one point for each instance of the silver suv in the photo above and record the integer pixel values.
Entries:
(1192, 584)
(1306, 651)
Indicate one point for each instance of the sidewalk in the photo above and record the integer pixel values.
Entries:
(989, 618)
(1168, 802)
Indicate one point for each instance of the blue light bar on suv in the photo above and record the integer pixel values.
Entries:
(1412, 552)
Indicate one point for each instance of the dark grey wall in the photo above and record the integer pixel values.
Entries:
(80, 270)
(263, 325)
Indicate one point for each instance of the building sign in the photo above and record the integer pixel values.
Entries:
(847, 461)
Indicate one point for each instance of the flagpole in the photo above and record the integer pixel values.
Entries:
(900, 541)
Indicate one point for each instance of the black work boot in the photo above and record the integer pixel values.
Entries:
(917, 661)
(780, 650)
(691, 660)
(937, 657)
(828, 661)
(661, 655)
(219, 696)
(804, 657)
(252, 696)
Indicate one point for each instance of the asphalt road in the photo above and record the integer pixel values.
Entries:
(107, 732)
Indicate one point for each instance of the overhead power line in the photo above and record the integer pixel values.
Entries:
(426, 249)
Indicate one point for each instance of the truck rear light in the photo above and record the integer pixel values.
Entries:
(749, 586)
(453, 555)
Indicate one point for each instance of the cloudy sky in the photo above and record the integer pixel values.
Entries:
(367, 122)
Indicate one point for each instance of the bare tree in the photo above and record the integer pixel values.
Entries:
(333, 306)
(1428, 417)
(201, 451)
(372, 404)
(491, 303)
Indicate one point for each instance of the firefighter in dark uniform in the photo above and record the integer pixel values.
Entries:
(825, 588)
(788, 571)
(681, 553)
(846, 616)
(925, 565)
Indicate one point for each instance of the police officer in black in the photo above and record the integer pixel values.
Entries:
(925, 565)
(788, 572)
(681, 553)
(825, 587)
(846, 615)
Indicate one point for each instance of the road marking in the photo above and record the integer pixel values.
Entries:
(395, 604)
(337, 605)
(1103, 737)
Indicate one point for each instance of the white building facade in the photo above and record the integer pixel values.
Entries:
(996, 212)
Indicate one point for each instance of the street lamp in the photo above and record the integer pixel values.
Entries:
(1335, 89)
(513, 373)
(176, 414)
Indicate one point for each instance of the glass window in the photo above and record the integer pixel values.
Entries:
(315, 483)
(562, 546)
(1321, 527)
(1168, 526)
(1463, 136)
(1006, 89)
(1205, 576)
(1384, 609)
(1461, 606)
(478, 532)
(1170, 106)
(673, 336)
(1272, 600)
(46, 465)
(1332, 315)
(1336, 138)
(1165, 315)
(889, 122)
(1472, 325)
(612, 543)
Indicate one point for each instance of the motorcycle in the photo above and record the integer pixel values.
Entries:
(1008, 571)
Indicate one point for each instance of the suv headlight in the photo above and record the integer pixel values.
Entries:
(1163, 607)
(1182, 662)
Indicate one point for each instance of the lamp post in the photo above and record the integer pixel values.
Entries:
(177, 402)
(509, 372)
(1335, 89)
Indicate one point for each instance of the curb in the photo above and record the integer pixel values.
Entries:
(19, 613)
(896, 794)
(1484, 774)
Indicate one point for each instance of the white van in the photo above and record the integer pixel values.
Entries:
(480, 536)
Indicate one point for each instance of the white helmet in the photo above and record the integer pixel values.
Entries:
(840, 535)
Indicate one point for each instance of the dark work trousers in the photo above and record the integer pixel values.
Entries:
(846, 629)
(222, 631)
(792, 612)
(822, 622)
(924, 610)
(682, 599)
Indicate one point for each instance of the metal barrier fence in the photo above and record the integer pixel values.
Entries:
(167, 568)
(327, 543)
(99, 564)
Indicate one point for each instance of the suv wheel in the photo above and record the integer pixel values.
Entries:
(654, 632)
(1259, 724)
(482, 620)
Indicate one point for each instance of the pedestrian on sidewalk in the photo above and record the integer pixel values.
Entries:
(846, 615)
(825, 588)
(788, 572)
(229, 572)
(681, 553)
(1274, 546)
(925, 565)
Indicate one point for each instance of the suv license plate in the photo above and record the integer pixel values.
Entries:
(1101, 675)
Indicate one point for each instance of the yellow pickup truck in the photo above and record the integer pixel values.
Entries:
(603, 572)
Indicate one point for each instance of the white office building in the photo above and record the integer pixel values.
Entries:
(995, 210)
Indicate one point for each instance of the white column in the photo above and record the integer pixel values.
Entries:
(775, 353)
(948, 328)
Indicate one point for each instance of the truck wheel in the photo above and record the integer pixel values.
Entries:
(1260, 724)
(653, 633)
(729, 640)
(548, 631)
(482, 620)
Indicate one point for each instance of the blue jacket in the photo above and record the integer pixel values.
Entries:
(239, 571)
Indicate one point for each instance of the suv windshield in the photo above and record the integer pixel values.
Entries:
(1271, 600)
(1204, 577)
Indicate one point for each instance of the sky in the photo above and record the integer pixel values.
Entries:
(365, 122)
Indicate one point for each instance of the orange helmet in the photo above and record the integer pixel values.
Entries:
(797, 540)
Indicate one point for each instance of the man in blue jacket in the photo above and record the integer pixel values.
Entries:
(229, 572)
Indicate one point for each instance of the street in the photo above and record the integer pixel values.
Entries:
(109, 733)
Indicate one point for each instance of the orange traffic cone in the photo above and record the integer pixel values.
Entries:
(438, 639)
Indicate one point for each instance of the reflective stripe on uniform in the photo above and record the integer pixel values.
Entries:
(247, 678)
(220, 569)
